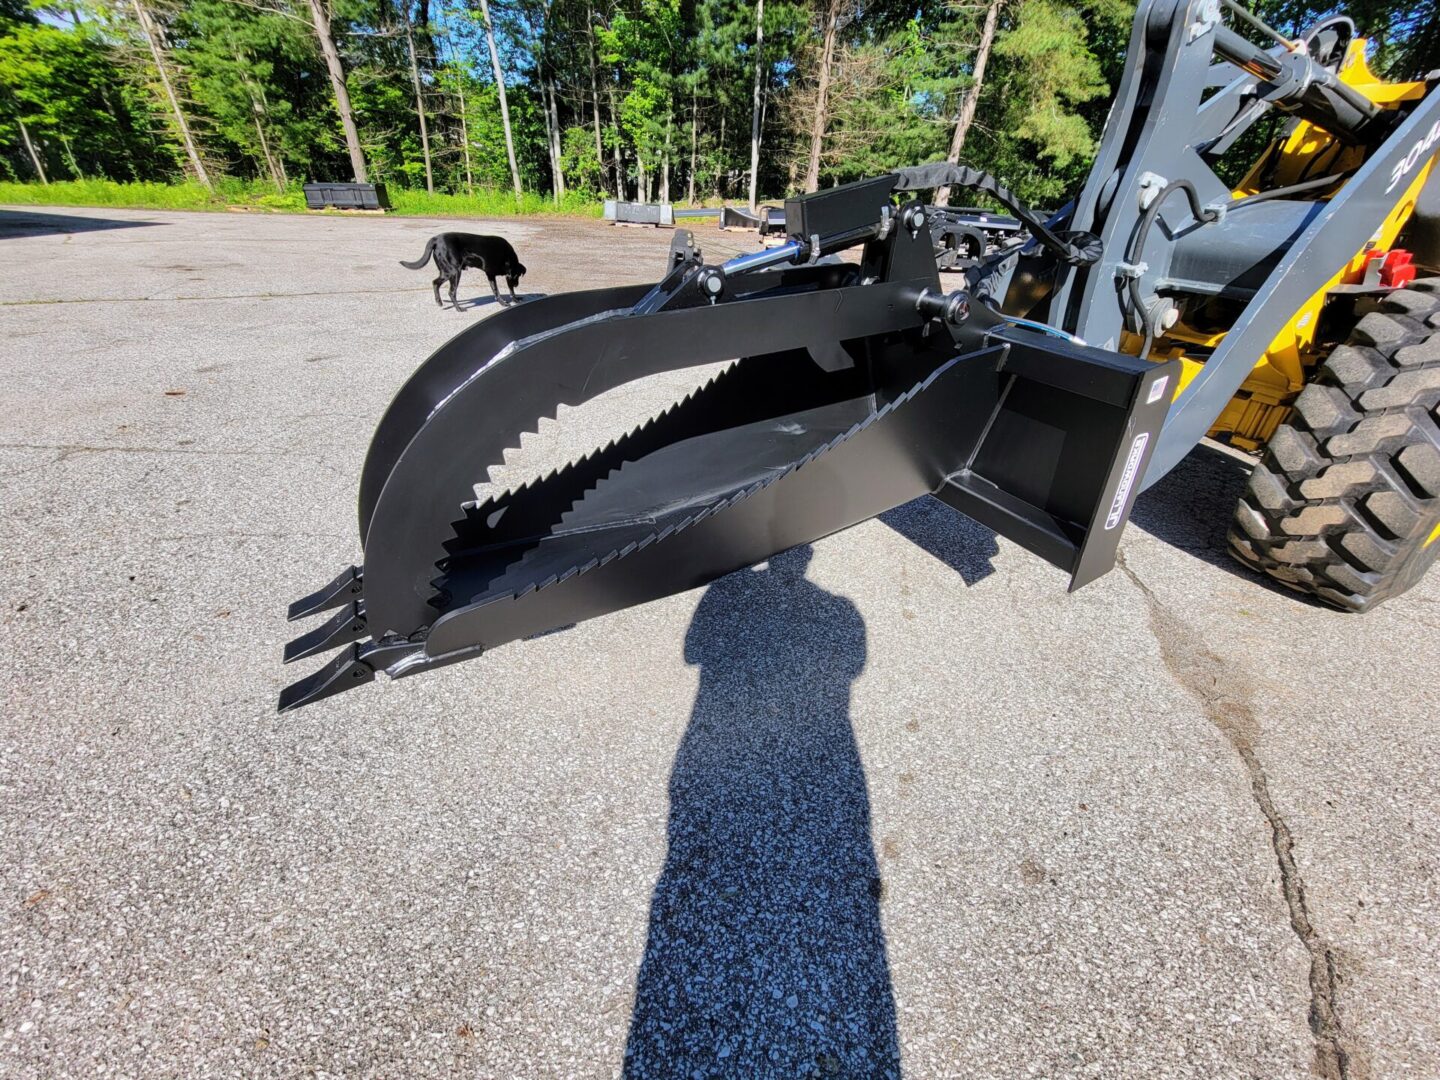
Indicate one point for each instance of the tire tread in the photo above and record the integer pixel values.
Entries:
(1348, 488)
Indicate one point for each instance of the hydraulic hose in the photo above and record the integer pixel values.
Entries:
(1142, 232)
(1285, 192)
(1074, 247)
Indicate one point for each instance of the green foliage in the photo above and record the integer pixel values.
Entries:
(59, 84)
(251, 77)
(584, 172)
(896, 103)
(1050, 69)
(671, 78)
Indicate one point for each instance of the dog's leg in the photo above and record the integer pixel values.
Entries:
(436, 284)
(454, 284)
(513, 298)
(496, 291)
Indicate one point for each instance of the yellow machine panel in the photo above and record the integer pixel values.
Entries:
(1264, 399)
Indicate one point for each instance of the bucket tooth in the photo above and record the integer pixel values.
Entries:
(348, 585)
(345, 626)
(347, 670)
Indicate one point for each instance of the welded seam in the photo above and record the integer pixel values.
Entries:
(1207, 678)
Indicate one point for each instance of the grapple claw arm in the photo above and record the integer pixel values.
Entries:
(852, 388)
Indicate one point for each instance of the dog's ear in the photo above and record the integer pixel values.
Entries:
(520, 268)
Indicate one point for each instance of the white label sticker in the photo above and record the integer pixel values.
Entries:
(1127, 479)
(1157, 391)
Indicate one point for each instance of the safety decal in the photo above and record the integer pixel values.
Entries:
(1127, 479)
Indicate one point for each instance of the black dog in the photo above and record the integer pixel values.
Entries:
(456, 251)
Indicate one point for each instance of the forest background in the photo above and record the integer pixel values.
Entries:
(495, 106)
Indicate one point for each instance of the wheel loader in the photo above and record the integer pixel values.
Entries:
(1287, 314)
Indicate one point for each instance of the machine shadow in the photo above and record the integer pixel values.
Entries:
(1191, 507)
(961, 543)
(765, 954)
(35, 223)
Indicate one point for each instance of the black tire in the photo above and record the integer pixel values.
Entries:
(1345, 502)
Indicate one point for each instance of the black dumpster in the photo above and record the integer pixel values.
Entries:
(346, 196)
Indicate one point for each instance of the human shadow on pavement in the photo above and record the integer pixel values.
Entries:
(765, 955)
(38, 223)
(961, 543)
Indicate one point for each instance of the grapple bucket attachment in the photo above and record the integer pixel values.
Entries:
(851, 387)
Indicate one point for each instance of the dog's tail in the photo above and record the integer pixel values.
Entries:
(424, 258)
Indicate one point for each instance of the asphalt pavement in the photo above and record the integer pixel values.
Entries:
(894, 804)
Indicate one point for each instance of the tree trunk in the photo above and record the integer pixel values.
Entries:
(722, 173)
(275, 175)
(595, 90)
(274, 165)
(548, 106)
(320, 21)
(694, 140)
(620, 185)
(30, 148)
(128, 157)
(464, 130)
(549, 131)
(152, 38)
(755, 109)
(665, 162)
(419, 104)
(552, 121)
(500, 89)
(822, 97)
(69, 153)
(972, 94)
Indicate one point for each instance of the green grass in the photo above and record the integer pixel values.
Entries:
(488, 203)
(152, 196)
(257, 195)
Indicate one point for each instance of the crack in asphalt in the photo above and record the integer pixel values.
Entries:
(1225, 696)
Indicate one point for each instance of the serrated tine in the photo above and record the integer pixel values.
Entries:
(673, 529)
(475, 529)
